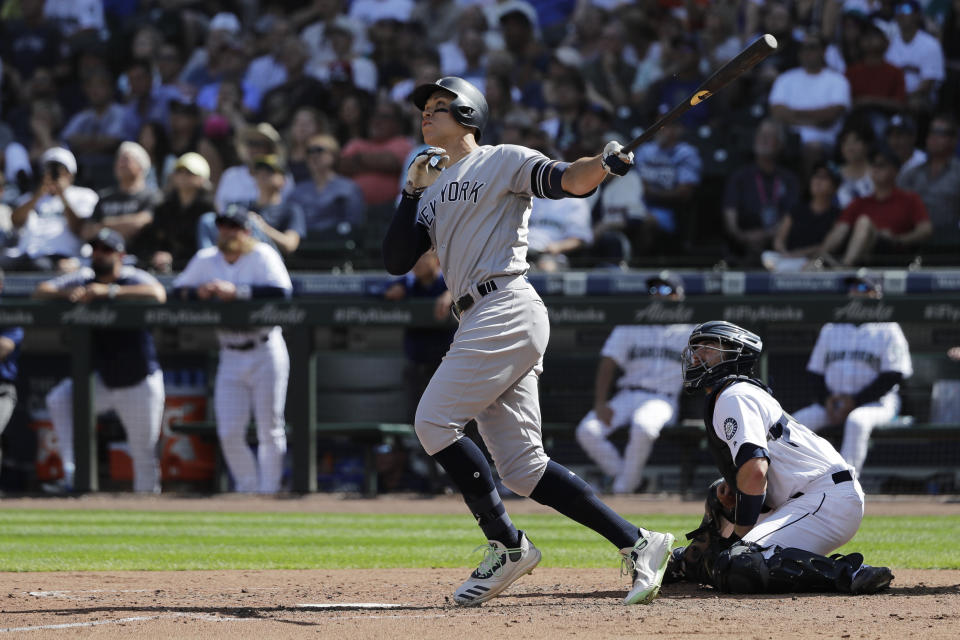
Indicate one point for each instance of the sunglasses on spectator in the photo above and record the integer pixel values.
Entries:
(316, 149)
(227, 223)
(661, 289)
(943, 131)
(103, 248)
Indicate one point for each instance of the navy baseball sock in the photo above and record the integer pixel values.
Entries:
(566, 492)
(467, 467)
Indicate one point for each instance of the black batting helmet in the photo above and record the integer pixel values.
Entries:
(740, 350)
(469, 107)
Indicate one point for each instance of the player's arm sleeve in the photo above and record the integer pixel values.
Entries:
(897, 355)
(816, 363)
(406, 239)
(739, 423)
(185, 285)
(275, 281)
(534, 174)
(878, 388)
(615, 346)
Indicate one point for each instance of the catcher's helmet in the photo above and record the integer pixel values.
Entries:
(740, 350)
(469, 107)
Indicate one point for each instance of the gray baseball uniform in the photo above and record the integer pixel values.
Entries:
(492, 368)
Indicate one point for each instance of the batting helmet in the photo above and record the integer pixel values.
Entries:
(468, 107)
(739, 352)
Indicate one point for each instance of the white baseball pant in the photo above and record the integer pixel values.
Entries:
(253, 380)
(491, 373)
(140, 409)
(646, 414)
(823, 519)
(858, 426)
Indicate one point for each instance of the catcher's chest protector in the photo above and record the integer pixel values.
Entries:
(718, 448)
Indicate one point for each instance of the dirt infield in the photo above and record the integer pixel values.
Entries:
(550, 604)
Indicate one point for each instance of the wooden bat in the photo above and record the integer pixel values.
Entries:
(743, 62)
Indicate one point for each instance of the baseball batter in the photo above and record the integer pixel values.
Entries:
(646, 397)
(858, 370)
(254, 363)
(769, 461)
(472, 203)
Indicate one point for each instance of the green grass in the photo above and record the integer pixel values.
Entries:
(52, 540)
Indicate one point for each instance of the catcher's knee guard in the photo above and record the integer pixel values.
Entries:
(743, 569)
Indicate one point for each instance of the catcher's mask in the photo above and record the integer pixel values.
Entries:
(718, 349)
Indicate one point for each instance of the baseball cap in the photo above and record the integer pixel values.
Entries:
(110, 239)
(832, 171)
(862, 283)
(225, 21)
(235, 213)
(665, 283)
(907, 7)
(264, 130)
(184, 105)
(60, 156)
(194, 163)
(271, 161)
(901, 122)
(517, 7)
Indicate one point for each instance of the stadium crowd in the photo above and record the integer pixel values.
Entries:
(149, 117)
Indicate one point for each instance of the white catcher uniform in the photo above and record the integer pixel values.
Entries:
(253, 371)
(477, 214)
(646, 399)
(815, 498)
(850, 357)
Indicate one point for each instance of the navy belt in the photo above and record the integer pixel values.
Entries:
(247, 346)
(466, 300)
(838, 478)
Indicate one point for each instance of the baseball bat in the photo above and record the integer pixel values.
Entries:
(743, 62)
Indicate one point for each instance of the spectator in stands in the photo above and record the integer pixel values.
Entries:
(950, 41)
(231, 70)
(876, 86)
(254, 363)
(856, 372)
(49, 220)
(424, 347)
(10, 340)
(202, 67)
(266, 71)
(889, 221)
(802, 230)
(681, 77)
(611, 71)
(170, 240)
(938, 180)
(855, 144)
(375, 163)
(7, 235)
(670, 171)
(848, 51)
(331, 203)
(143, 104)
(128, 206)
(557, 229)
(184, 126)
(812, 100)
(30, 42)
(346, 64)
(153, 138)
(919, 55)
(518, 22)
(566, 98)
(127, 377)
(306, 123)
(299, 90)
(169, 65)
(646, 393)
(758, 195)
(901, 137)
(94, 134)
(276, 221)
(237, 183)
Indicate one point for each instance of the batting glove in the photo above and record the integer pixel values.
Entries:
(614, 161)
(426, 168)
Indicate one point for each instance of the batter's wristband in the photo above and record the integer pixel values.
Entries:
(748, 508)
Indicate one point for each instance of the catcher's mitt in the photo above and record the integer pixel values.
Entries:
(694, 562)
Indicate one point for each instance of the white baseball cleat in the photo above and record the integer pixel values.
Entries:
(499, 568)
(647, 561)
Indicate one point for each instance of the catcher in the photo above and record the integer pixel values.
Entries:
(786, 498)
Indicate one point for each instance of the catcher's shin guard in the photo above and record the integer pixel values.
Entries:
(743, 569)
